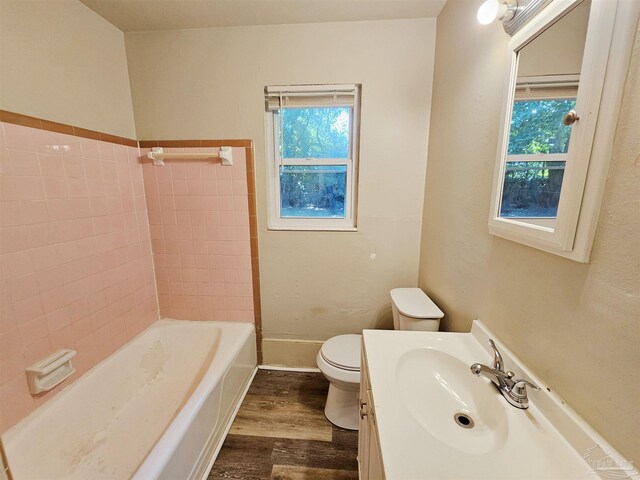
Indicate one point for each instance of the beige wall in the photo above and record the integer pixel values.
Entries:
(209, 84)
(62, 62)
(577, 326)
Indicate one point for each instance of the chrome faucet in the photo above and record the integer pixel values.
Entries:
(514, 391)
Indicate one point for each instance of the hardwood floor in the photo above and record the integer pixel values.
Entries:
(281, 433)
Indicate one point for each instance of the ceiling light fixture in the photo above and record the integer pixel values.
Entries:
(492, 10)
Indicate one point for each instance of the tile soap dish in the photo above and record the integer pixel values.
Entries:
(53, 370)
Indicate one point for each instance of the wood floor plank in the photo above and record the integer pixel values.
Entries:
(282, 418)
(246, 458)
(281, 433)
(310, 453)
(285, 405)
(347, 439)
(300, 385)
(289, 472)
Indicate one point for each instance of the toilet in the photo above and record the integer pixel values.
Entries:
(339, 357)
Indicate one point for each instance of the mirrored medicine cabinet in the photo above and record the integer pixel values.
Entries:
(563, 93)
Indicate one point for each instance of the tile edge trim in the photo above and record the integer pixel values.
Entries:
(42, 124)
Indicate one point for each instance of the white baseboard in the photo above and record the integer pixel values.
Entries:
(290, 353)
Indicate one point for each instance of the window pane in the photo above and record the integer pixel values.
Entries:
(313, 191)
(316, 132)
(532, 189)
(536, 126)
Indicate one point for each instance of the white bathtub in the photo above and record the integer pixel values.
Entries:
(158, 408)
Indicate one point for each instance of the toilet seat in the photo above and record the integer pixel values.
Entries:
(343, 352)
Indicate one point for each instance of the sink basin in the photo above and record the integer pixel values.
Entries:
(437, 388)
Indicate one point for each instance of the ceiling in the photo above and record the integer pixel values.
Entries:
(145, 15)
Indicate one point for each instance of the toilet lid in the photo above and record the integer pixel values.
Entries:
(413, 302)
(343, 352)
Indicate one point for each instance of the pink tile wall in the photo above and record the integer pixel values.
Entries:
(75, 255)
(199, 221)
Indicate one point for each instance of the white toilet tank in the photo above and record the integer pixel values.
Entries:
(414, 310)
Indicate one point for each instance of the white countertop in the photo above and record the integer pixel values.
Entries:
(506, 443)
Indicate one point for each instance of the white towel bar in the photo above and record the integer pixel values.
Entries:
(157, 155)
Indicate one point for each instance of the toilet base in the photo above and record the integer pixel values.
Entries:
(341, 408)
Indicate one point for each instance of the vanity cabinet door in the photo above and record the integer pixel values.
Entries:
(369, 458)
(363, 432)
(375, 471)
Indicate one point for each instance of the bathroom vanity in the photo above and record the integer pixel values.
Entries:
(425, 415)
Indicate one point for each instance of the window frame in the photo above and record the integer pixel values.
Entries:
(275, 221)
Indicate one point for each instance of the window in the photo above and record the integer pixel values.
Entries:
(312, 150)
(537, 150)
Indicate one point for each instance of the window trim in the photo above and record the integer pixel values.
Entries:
(277, 222)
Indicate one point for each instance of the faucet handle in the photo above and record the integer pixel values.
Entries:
(519, 388)
(498, 363)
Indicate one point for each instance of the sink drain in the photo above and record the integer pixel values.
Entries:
(464, 420)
